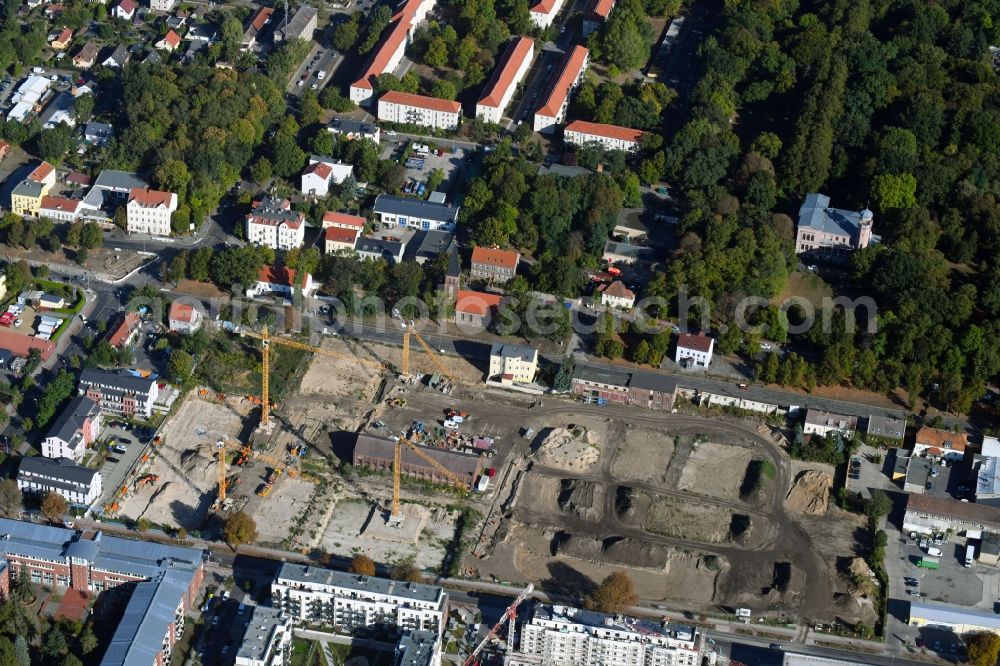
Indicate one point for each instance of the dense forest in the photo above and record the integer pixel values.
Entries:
(887, 103)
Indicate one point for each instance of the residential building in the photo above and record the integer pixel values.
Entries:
(407, 108)
(338, 239)
(821, 422)
(153, 622)
(91, 561)
(320, 172)
(694, 350)
(78, 485)
(51, 302)
(380, 248)
(170, 42)
(493, 264)
(352, 129)
(60, 111)
(512, 364)
(377, 453)
(256, 24)
(566, 636)
(927, 514)
(123, 333)
(940, 443)
(885, 428)
(312, 595)
(617, 295)
(118, 57)
(959, 619)
(86, 56)
(511, 70)
(553, 111)
(184, 317)
(267, 640)
(164, 6)
(150, 211)
(275, 280)
(125, 9)
(598, 16)
(343, 221)
(3, 285)
(120, 394)
(60, 209)
(831, 233)
(406, 212)
(62, 39)
(418, 648)
(26, 197)
(544, 12)
(274, 224)
(429, 245)
(476, 309)
(609, 137)
(74, 429)
(301, 26)
(203, 34)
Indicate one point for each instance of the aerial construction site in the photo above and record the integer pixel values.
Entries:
(403, 455)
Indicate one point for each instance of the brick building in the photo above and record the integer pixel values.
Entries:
(377, 453)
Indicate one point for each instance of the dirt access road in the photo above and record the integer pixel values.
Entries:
(781, 540)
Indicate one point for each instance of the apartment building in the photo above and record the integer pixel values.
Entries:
(312, 595)
(414, 213)
(418, 648)
(336, 239)
(26, 197)
(119, 394)
(499, 90)
(544, 12)
(563, 636)
(320, 172)
(377, 453)
(74, 429)
(513, 364)
(256, 24)
(598, 16)
(927, 514)
(553, 111)
(267, 640)
(274, 224)
(617, 295)
(821, 422)
(352, 129)
(343, 221)
(76, 484)
(493, 264)
(936, 442)
(302, 26)
(609, 137)
(281, 281)
(400, 107)
(149, 211)
(60, 209)
(694, 349)
(184, 317)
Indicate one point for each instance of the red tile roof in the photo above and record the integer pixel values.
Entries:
(127, 6)
(603, 8)
(699, 342)
(543, 6)
(476, 302)
(321, 169)
(4, 149)
(495, 257)
(618, 290)
(941, 439)
(41, 172)
(261, 17)
(572, 67)
(60, 203)
(172, 38)
(380, 61)
(421, 101)
(607, 131)
(277, 275)
(341, 235)
(181, 312)
(21, 345)
(128, 325)
(331, 217)
(78, 178)
(503, 76)
(63, 37)
(147, 197)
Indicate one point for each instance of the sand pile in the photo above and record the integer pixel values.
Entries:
(574, 449)
(810, 494)
(862, 577)
(582, 498)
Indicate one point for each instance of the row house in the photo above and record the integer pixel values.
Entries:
(78, 485)
(553, 111)
(120, 394)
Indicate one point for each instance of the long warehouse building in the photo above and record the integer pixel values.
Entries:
(377, 453)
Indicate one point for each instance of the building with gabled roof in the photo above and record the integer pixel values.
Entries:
(150, 211)
(184, 317)
(255, 25)
(61, 41)
(407, 108)
(320, 172)
(617, 295)
(553, 111)
(273, 223)
(544, 12)
(821, 422)
(391, 250)
(343, 220)
(26, 197)
(927, 514)
(282, 281)
(694, 349)
(600, 10)
(75, 428)
(352, 129)
(338, 239)
(86, 56)
(375, 452)
(124, 332)
(940, 443)
(609, 137)
(169, 42)
(476, 308)
(493, 264)
(78, 485)
(511, 70)
(301, 26)
(60, 209)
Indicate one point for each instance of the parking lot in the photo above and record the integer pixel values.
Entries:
(450, 161)
(315, 71)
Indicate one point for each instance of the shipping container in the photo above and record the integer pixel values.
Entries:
(929, 563)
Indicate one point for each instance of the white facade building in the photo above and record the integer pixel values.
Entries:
(433, 112)
(322, 171)
(312, 595)
(414, 213)
(274, 224)
(553, 111)
(149, 211)
(822, 423)
(617, 295)
(694, 349)
(60, 209)
(77, 484)
(120, 394)
(564, 636)
(76, 427)
(267, 640)
(500, 89)
(610, 137)
(513, 364)
(544, 12)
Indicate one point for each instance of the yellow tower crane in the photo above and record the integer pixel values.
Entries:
(407, 332)
(265, 337)
(395, 517)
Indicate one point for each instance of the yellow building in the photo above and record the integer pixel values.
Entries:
(26, 198)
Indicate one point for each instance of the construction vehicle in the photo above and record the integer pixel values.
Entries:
(266, 340)
(395, 518)
(407, 332)
(265, 489)
(509, 615)
(143, 480)
(273, 475)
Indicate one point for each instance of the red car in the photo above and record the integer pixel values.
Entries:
(491, 472)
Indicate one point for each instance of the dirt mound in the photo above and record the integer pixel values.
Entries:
(861, 577)
(574, 448)
(810, 494)
(582, 498)
(612, 550)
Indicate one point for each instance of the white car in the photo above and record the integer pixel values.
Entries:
(299, 83)
(18, 322)
(766, 346)
(314, 86)
(321, 75)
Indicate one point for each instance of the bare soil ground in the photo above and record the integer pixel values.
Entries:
(810, 494)
(716, 470)
(357, 378)
(276, 513)
(643, 455)
(575, 447)
(682, 519)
